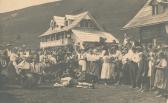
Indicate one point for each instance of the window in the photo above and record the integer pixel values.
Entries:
(52, 37)
(70, 21)
(58, 36)
(62, 27)
(66, 23)
(44, 39)
(154, 9)
(90, 24)
(158, 7)
(55, 36)
(57, 26)
(82, 24)
(86, 24)
(65, 35)
(52, 24)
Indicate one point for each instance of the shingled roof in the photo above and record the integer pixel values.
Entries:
(59, 20)
(92, 36)
(145, 18)
(77, 20)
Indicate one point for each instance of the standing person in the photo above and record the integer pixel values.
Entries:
(138, 59)
(106, 67)
(82, 61)
(118, 65)
(98, 65)
(12, 66)
(160, 74)
(142, 73)
(125, 67)
(151, 68)
(113, 66)
(95, 65)
(133, 67)
(166, 80)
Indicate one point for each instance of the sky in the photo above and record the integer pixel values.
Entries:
(10, 5)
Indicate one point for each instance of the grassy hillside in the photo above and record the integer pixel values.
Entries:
(25, 25)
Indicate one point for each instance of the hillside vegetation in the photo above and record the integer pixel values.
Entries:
(24, 26)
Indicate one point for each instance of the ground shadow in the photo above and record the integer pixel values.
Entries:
(8, 98)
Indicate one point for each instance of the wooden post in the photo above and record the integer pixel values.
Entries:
(140, 36)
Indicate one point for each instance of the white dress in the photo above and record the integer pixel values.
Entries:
(106, 72)
(151, 66)
(82, 61)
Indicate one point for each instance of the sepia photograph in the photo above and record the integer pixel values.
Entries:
(83, 51)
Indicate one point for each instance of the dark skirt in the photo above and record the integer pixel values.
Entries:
(125, 69)
(159, 79)
(133, 67)
(95, 68)
(165, 79)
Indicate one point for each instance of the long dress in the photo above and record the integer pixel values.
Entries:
(95, 66)
(166, 79)
(106, 68)
(151, 70)
(82, 61)
(160, 74)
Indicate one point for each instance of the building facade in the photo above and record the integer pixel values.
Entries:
(151, 21)
(73, 29)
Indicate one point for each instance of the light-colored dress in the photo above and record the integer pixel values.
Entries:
(82, 61)
(160, 76)
(151, 66)
(106, 68)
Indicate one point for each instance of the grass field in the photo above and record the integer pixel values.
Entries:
(101, 94)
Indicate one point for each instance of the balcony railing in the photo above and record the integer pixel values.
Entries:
(61, 42)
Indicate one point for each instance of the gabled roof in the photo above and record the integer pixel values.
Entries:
(145, 18)
(73, 17)
(59, 20)
(77, 20)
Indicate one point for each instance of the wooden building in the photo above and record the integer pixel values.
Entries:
(73, 29)
(151, 21)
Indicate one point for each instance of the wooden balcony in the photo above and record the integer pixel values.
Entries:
(61, 42)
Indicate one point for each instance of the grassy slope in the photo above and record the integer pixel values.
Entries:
(32, 21)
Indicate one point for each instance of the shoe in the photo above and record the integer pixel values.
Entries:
(142, 90)
(139, 90)
(159, 95)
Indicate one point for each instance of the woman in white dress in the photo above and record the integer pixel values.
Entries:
(106, 67)
(151, 68)
(81, 59)
(160, 74)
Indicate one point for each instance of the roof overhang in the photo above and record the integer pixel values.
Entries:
(145, 25)
(93, 36)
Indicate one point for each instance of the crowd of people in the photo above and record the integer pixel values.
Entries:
(144, 67)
